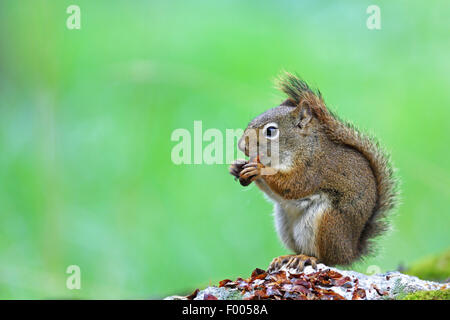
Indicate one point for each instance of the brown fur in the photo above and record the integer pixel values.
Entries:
(347, 135)
(334, 158)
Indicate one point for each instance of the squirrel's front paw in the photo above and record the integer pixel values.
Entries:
(292, 261)
(235, 169)
(251, 171)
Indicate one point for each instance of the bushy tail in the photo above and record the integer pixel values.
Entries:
(386, 182)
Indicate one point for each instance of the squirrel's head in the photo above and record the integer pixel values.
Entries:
(288, 132)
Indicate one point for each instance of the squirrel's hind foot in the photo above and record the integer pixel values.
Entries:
(292, 261)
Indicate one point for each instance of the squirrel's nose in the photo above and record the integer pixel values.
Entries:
(243, 145)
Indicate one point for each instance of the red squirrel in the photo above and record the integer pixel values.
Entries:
(333, 186)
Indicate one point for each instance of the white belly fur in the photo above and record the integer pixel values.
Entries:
(296, 221)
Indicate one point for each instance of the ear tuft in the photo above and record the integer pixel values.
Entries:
(295, 88)
(308, 103)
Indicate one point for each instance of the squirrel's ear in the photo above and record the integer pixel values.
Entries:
(304, 114)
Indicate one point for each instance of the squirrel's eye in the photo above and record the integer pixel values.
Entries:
(271, 131)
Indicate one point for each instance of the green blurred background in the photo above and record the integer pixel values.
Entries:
(86, 116)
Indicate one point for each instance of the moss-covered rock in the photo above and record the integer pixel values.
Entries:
(428, 295)
(432, 267)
